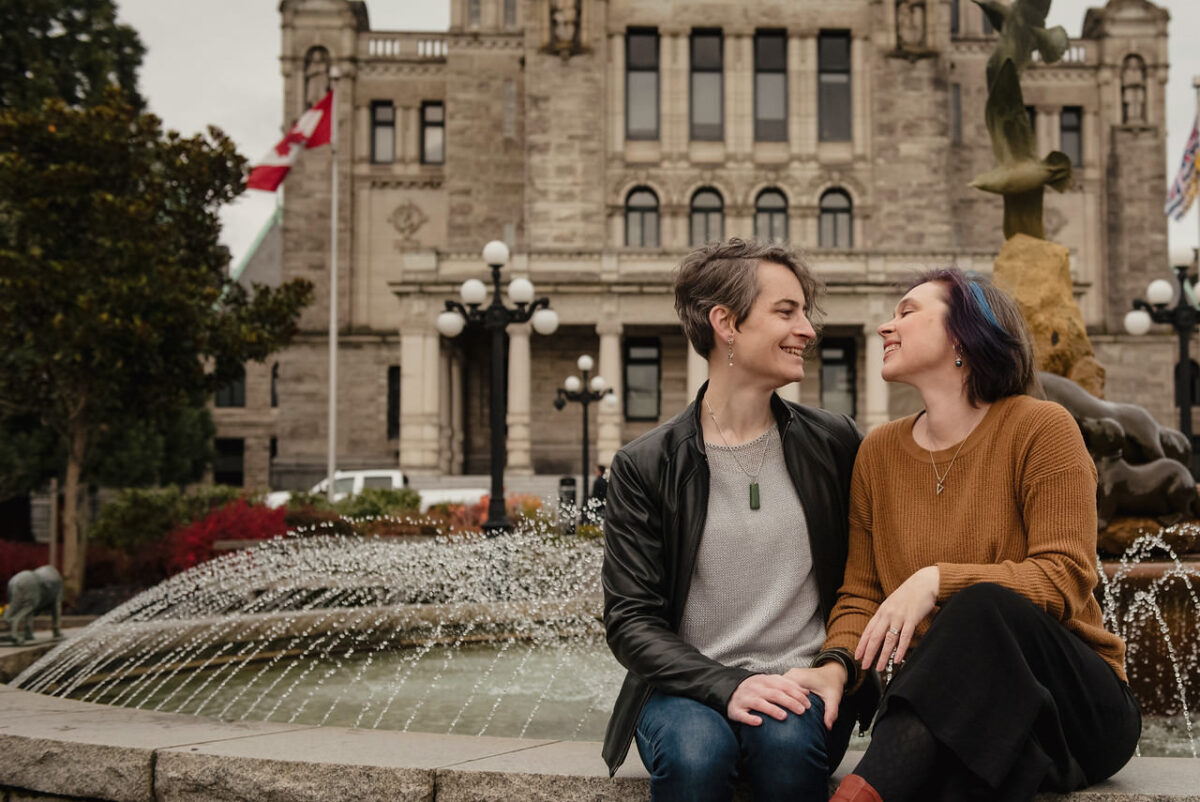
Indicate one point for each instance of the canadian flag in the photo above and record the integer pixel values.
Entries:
(310, 131)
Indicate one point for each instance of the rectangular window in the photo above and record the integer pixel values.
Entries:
(954, 17)
(839, 381)
(706, 86)
(770, 86)
(956, 128)
(510, 13)
(383, 132)
(643, 374)
(833, 86)
(1070, 135)
(988, 28)
(433, 133)
(232, 394)
(1031, 112)
(641, 84)
(473, 12)
(393, 402)
(229, 466)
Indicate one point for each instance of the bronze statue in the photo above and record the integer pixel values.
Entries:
(1143, 438)
(1141, 465)
(1019, 175)
(1163, 489)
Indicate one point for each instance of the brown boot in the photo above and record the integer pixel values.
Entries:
(855, 789)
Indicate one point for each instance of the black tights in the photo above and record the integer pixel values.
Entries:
(901, 755)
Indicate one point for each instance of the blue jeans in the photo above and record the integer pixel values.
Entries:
(694, 753)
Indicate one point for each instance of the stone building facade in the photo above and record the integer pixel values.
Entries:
(600, 139)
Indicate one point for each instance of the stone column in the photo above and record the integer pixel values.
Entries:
(674, 125)
(519, 390)
(457, 413)
(697, 372)
(1089, 138)
(409, 122)
(608, 429)
(1054, 127)
(860, 92)
(446, 425)
(738, 102)
(802, 96)
(616, 93)
(420, 362)
(876, 411)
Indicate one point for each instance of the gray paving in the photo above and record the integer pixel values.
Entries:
(59, 747)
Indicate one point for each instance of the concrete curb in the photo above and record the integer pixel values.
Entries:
(62, 747)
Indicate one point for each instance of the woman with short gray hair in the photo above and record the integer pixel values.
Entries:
(725, 544)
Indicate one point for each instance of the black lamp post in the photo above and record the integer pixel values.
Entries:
(1184, 318)
(495, 318)
(584, 393)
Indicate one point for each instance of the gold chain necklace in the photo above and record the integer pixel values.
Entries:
(755, 500)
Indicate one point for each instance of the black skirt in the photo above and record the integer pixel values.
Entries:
(1016, 702)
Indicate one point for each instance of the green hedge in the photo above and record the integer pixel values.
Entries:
(141, 517)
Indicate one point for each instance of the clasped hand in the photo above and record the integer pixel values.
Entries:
(777, 694)
(899, 613)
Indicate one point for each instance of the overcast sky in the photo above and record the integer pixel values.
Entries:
(217, 62)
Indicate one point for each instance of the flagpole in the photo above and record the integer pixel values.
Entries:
(1196, 121)
(331, 467)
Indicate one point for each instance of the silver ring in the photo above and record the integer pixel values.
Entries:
(893, 631)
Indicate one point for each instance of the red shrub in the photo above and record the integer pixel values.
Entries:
(16, 557)
(238, 520)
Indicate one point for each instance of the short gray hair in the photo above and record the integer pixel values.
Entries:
(726, 274)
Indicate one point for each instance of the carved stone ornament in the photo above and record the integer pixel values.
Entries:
(565, 36)
(407, 219)
(910, 25)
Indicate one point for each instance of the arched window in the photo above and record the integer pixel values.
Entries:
(316, 75)
(770, 216)
(641, 219)
(1133, 90)
(837, 220)
(708, 217)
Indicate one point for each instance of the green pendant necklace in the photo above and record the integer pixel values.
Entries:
(755, 500)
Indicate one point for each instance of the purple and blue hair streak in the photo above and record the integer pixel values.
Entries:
(999, 355)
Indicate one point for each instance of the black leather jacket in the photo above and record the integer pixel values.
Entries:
(657, 504)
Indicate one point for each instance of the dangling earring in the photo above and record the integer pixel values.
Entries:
(730, 352)
(957, 357)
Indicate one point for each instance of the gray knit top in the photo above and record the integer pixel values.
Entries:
(753, 601)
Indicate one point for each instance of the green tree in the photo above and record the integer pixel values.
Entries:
(68, 49)
(115, 302)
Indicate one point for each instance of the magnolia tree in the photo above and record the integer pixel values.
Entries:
(115, 304)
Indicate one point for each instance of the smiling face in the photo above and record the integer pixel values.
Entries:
(916, 343)
(771, 341)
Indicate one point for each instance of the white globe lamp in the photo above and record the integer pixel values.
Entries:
(545, 321)
(495, 253)
(1137, 322)
(520, 291)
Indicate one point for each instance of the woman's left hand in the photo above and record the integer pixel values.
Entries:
(891, 629)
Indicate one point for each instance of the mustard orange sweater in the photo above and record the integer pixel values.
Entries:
(1018, 509)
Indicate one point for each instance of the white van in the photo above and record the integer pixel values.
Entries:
(351, 483)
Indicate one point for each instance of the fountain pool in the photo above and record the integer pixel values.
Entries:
(474, 636)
